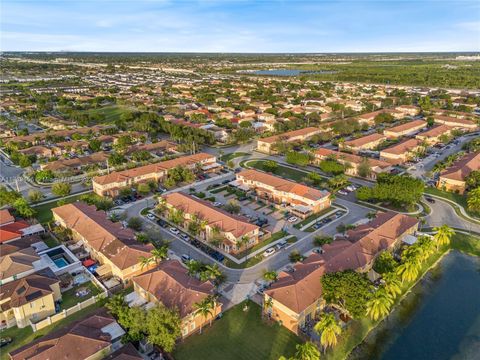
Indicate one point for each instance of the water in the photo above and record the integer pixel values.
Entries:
(439, 320)
(287, 72)
(60, 262)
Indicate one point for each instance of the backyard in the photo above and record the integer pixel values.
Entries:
(239, 335)
(44, 211)
(70, 298)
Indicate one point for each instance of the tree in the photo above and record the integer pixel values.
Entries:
(473, 200)
(443, 235)
(408, 271)
(163, 327)
(61, 189)
(347, 291)
(270, 275)
(95, 145)
(392, 284)
(331, 167)
(385, 263)
(379, 304)
(322, 240)
(232, 207)
(206, 308)
(135, 223)
(143, 188)
(307, 351)
(297, 158)
(210, 272)
(270, 166)
(194, 267)
(35, 196)
(328, 329)
(295, 256)
(8, 197)
(338, 181)
(364, 169)
(23, 209)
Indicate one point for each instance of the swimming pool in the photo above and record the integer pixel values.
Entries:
(60, 262)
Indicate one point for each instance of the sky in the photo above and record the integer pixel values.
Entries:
(240, 26)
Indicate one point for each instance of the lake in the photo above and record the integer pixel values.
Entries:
(439, 319)
(286, 72)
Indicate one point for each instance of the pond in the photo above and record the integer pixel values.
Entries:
(286, 72)
(440, 319)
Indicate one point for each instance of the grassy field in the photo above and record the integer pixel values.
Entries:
(26, 335)
(239, 335)
(44, 211)
(228, 157)
(106, 114)
(69, 298)
(283, 171)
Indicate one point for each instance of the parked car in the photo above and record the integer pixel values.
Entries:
(269, 252)
(185, 237)
(4, 341)
(217, 256)
(217, 204)
(186, 258)
(162, 223)
(430, 200)
(174, 231)
(342, 192)
(151, 217)
(281, 244)
(292, 219)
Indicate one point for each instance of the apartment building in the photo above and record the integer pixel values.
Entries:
(407, 129)
(265, 145)
(112, 245)
(402, 152)
(297, 296)
(220, 227)
(354, 161)
(109, 185)
(92, 338)
(302, 200)
(368, 142)
(434, 135)
(171, 285)
(453, 178)
(469, 125)
(408, 110)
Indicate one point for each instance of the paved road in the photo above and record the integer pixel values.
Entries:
(443, 213)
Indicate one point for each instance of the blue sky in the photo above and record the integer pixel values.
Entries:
(240, 26)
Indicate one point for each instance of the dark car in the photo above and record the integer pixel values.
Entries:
(430, 200)
(217, 256)
(162, 223)
(4, 341)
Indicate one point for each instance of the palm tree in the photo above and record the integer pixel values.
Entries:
(408, 271)
(443, 235)
(307, 351)
(243, 241)
(159, 253)
(267, 304)
(270, 275)
(145, 261)
(213, 271)
(205, 308)
(161, 206)
(428, 247)
(328, 329)
(193, 267)
(392, 284)
(379, 305)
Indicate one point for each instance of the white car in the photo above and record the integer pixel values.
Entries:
(269, 252)
(174, 231)
(292, 219)
(217, 204)
(151, 217)
(341, 192)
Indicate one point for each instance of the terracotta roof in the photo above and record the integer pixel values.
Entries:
(17, 256)
(173, 287)
(436, 131)
(365, 140)
(300, 289)
(109, 238)
(283, 185)
(119, 176)
(453, 120)
(160, 145)
(77, 341)
(27, 289)
(6, 217)
(402, 147)
(95, 158)
(407, 126)
(291, 134)
(127, 352)
(236, 225)
(462, 167)
(12, 230)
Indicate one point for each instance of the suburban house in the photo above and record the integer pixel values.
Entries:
(112, 245)
(93, 337)
(435, 134)
(302, 200)
(297, 296)
(408, 110)
(219, 225)
(265, 145)
(11, 229)
(31, 298)
(110, 184)
(368, 142)
(75, 164)
(171, 285)
(453, 177)
(354, 162)
(158, 147)
(465, 124)
(407, 129)
(402, 152)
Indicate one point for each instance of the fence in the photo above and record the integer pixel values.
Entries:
(67, 312)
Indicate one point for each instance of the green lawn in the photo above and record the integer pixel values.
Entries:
(283, 171)
(69, 298)
(107, 114)
(239, 335)
(228, 157)
(44, 213)
(26, 335)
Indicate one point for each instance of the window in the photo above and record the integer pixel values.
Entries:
(32, 305)
(185, 331)
(192, 326)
